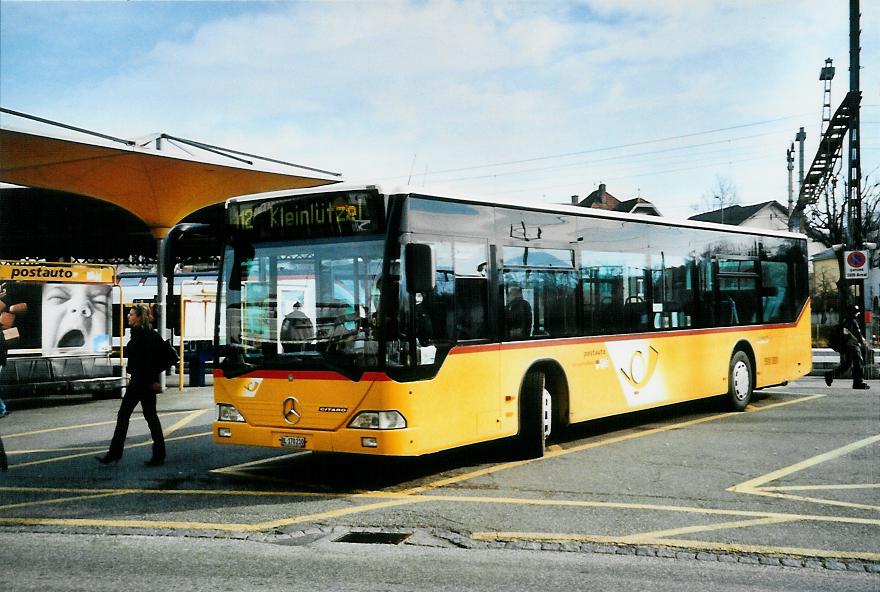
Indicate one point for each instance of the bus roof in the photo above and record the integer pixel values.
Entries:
(525, 205)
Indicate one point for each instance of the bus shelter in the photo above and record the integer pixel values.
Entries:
(56, 321)
(158, 187)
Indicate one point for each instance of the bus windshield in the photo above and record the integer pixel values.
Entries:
(298, 305)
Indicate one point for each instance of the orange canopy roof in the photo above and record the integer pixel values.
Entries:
(159, 189)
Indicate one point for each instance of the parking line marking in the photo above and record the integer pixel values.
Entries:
(755, 483)
(702, 545)
(233, 492)
(82, 454)
(655, 507)
(770, 550)
(553, 453)
(392, 497)
(254, 463)
(186, 420)
(84, 425)
(341, 512)
(801, 399)
(45, 450)
(820, 487)
(103, 523)
(64, 499)
(659, 534)
(813, 500)
(411, 495)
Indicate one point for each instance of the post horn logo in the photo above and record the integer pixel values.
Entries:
(289, 411)
(641, 367)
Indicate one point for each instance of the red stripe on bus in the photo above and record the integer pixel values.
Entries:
(560, 341)
(307, 375)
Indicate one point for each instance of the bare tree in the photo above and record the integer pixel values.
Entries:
(826, 222)
(721, 196)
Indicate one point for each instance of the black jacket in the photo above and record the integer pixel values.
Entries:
(146, 356)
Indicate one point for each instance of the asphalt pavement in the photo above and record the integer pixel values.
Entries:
(790, 483)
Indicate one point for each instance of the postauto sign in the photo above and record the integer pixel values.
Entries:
(29, 272)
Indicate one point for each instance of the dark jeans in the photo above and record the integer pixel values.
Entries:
(134, 394)
(851, 356)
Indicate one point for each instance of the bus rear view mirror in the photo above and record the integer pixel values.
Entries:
(420, 268)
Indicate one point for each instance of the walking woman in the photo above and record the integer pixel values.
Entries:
(146, 355)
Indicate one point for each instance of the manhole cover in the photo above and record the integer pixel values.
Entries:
(376, 538)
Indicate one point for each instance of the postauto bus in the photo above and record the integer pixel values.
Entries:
(427, 322)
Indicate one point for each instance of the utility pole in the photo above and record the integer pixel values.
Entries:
(789, 161)
(799, 138)
(855, 169)
(854, 186)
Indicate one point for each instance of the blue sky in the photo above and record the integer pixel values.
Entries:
(515, 100)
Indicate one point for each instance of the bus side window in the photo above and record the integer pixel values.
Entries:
(471, 290)
(470, 308)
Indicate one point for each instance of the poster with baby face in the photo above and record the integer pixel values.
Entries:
(58, 318)
(76, 317)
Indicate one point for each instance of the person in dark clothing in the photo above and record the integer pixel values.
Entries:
(851, 351)
(4, 464)
(3, 349)
(146, 360)
(519, 314)
(297, 330)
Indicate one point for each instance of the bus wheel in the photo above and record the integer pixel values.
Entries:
(536, 418)
(739, 381)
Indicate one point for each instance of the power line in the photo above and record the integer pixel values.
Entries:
(601, 160)
(613, 147)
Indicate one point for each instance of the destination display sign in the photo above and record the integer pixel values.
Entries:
(320, 215)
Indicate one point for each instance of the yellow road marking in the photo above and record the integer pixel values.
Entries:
(757, 485)
(804, 464)
(255, 463)
(236, 470)
(820, 487)
(651, 507)
(705, 545)
(80, 455)
(233, 492)
(63, 499)
(83, 425)
(230, 527)
(659, 534)
(103, 523)
(813, 500)
(769, 550)
(800, 399)
(338, 513)
(45, 450)
(405, 498)
(555, 452)
(411, 495)
(185, 421)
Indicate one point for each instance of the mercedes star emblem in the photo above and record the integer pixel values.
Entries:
(288, 410)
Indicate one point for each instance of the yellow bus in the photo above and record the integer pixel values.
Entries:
(404, 323)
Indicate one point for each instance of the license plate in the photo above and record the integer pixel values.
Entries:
(293, 441)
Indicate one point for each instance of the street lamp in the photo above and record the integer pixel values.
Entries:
(720, 199)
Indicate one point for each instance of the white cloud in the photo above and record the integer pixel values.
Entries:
(362, 87)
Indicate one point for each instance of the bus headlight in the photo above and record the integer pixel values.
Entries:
(378, 420)
(227, 412)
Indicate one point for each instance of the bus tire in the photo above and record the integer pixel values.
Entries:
(740, 379)
(536, 416)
